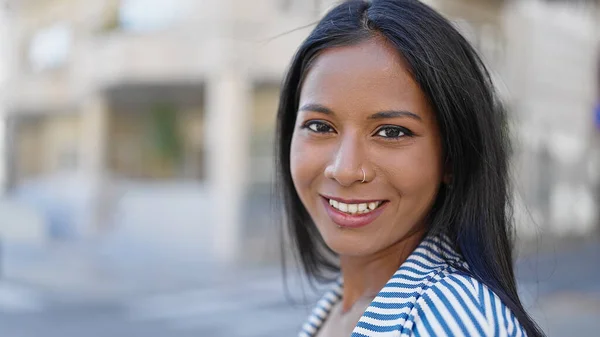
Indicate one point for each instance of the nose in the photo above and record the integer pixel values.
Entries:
(346, 166)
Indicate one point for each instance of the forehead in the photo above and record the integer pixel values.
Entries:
(370, 75)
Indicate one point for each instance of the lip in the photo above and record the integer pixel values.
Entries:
(352, 220)
(352, 201)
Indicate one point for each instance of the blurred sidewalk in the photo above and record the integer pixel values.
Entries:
(558, 286)
(95, 271)
(105, 267)
(97, 290)
(561, 287)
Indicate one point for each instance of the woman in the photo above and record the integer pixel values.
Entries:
(393, 166)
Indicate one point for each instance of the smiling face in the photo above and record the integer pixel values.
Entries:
(362, 116)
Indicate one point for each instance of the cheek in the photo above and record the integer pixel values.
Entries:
(303, 169)
(295, 162)
(418, 169)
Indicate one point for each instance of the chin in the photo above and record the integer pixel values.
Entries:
(346, 245)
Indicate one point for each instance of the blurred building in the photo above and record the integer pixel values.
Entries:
(550, 72)
(155, 118)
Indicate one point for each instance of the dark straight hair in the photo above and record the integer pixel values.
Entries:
(475, 212)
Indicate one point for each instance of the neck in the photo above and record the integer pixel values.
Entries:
(365, 276)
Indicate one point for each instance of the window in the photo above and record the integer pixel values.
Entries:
(148, 15)
(50, 47)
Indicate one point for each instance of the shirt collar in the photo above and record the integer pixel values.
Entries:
(432, 254)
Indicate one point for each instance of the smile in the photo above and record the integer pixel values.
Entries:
(353, 213)
(360, 208)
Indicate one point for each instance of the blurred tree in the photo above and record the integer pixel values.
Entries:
(164, 134)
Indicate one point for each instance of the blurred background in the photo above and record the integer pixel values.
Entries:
(136, 169)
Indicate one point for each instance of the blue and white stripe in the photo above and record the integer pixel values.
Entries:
(426, 297)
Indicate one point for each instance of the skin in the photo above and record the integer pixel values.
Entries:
(337, 134)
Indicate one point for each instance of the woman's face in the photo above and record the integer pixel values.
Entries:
(360, 111)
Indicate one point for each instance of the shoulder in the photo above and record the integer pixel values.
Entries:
(458, 304)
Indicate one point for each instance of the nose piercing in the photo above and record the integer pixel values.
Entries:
(364, 175)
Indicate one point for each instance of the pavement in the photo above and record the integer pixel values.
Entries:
(561, 288)
(82, 293)
(257, 309)
(83, 290)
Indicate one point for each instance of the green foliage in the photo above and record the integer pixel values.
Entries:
(164, 132)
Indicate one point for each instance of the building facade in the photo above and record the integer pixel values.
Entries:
(156, 118)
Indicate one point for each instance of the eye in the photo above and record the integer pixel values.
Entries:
(392, 131)
(318, 127)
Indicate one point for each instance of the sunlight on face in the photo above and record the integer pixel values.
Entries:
(362, 116)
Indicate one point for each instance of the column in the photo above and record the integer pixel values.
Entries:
(94, 141)
(5, 68)
(227, 141)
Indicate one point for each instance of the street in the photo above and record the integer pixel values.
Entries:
(560, 290)
(183, 315)
(256, 309)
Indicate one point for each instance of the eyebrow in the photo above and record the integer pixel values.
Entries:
(376, 116)
(394, 113)
(316, 108)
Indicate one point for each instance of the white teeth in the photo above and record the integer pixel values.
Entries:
(354, 208)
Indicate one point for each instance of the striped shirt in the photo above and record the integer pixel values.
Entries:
(426, 297)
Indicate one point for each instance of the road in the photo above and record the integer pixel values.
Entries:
(561, 290)
(258, 309)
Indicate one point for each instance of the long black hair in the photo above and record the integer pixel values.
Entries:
(475, 211)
